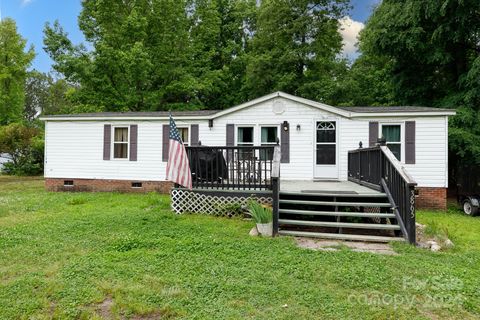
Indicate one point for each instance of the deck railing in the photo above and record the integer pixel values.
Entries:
(238, 167)
(377, 168)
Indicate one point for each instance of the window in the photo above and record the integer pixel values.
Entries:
(245, 136)
(136, 184)
(268, 137)
(120, 143)
(184, 135)
(326, 143)
(392, 133)
(68, 183)
(244, 139)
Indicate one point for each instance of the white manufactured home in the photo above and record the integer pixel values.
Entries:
(128, 151)
(315, 139)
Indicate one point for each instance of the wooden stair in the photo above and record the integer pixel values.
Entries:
(357, 217)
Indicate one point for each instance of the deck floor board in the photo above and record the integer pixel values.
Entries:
(306, 186)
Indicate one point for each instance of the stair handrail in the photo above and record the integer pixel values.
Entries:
(384, 172)
(397, 164)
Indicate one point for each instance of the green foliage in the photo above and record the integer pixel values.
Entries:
(433, 229)
(14, 62)
(146, 55)
(259, 213)
(368, 82)
(190, 54)
(25, 144)
(114, 256)
(230, 210)
(295, 49)
(430, 56)
(48, 95)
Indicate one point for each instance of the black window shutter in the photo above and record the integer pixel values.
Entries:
(194, 135)
(165, 142)
(133, 142)
(285, 143)
(410, 142)
(372, 133)
(107, 141)
(230, 135)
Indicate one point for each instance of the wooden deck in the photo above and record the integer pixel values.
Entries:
(339, 187)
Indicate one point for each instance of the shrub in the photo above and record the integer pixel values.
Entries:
(259, 213)
(26, 147)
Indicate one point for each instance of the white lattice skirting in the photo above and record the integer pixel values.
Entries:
(186, 201)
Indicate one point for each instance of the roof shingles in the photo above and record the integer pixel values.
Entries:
(388, 109)
(136, 114)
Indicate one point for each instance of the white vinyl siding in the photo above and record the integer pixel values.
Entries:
(74, 149)
(431, 143)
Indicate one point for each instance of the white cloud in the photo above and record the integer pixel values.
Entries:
(349, 29)
(26, 2)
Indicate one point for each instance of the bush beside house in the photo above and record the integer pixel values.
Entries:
(24, 146)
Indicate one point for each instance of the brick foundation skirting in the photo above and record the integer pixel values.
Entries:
(103, 185)
(431, 198)
(428, 198)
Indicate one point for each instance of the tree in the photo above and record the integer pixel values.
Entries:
(220, 32)
(45, 94)
(367, 82)
(431, 45)
(36, 93)
(433, 54)
(295, 49)
(140, 58)
(25, 145)
(14, 61)
(156, 54)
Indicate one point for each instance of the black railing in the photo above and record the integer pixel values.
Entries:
(239, 167)
(378, 168)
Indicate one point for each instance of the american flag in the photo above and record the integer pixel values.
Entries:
(178, 167)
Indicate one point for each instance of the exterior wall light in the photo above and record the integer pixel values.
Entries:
(210, 123)
(298, 127)
(285, 125)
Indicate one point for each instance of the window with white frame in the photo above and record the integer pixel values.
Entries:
(392, 134)
(268, 137)
(184, 135)
(120, 143)
(245, 136)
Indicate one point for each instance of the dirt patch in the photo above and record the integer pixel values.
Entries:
(151, 316)
(104, 309)
(329, 245)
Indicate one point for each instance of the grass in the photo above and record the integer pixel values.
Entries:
(85, 255)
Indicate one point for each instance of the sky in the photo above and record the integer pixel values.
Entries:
(31, 16)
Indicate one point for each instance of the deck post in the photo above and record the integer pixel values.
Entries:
(275, 204)
(410, 216)
(275, 176)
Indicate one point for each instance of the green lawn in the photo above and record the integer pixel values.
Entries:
(83, 255)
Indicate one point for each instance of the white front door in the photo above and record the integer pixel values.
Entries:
(326, 149)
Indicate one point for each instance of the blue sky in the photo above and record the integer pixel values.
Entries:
(31, 16)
